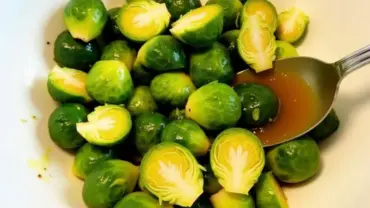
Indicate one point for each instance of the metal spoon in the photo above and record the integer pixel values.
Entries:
(324, 78)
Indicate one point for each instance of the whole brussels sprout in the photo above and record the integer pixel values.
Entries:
(223, 199)
(177, 114)
(263, 8)
(285, 50)
(326, 128)
(268, 192)
(214, 106)
(211, 64)
(180, 7)
(139, 200)
(294, 161)
(229, 40)
(141, 101)
(62, 125)
(292, 25)
(120, 50)
(172, 88)
(109, 81)
(85, 19)
(211, 184)
(231, 11)
(108, 183)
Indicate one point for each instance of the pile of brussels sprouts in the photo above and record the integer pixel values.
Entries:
(147, 105)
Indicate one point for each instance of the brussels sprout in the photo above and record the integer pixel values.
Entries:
(141, 101)
(180, 7)
(223, 199)
(171, 173)
(113, 15)
(148, 129)
(237, 159)
(231, 11)
(263, 8)
(229, 39)
(141, 75)
(187, 133)
(107, 125)
(326, 128)
(75, 54)
(85, 19)
(212, 64)
(294, 161)
(200, 27)
(108, 183)
(62, 125)
(172, 88)
(256, 44)
(214, 106)
(138, 200)
(211, 184)
(110, 82)
(120, 50)
(162, 53)
(268, 192)
(177, 114)
(292, 25)
(259, 103)
(68, 85)
(142, 20)
(285, 50)
(88, 157)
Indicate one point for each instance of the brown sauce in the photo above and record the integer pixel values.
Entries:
(298, 108)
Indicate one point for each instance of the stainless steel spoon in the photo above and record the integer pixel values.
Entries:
(324, 78)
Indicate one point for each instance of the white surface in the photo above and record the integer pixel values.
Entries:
(337, 27)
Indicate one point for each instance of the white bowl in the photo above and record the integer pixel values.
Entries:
(337, 27)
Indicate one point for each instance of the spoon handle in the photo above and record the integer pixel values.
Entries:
(354, 61)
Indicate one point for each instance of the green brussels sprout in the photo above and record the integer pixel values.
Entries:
(177, 114)
(85, 19)
(211, 184)
(268, 192)
(180, 7)
(88, 157)
(138, 200)
(148, 128)
(120, 50)
(109, 81)
(326, 128)
(200, 27)
(263, 8)
(229, 40)
(259, 103)
(141, 75)
(231, 11)
(292, 25)
(113, 15)
(141, 101)
(211, 64)
(75, 54)
(223, 199)
(294, 161)
(108, 183)
(68, 85)
(237, 160)
(171, 173)
(62, 125)
(285, 50)
(140, 21)
(214, 106)
(106, 126)
(162, 53)
(187, 133)
(256, 44)
(172, 88)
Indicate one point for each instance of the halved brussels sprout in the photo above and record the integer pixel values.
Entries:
(187, 133)
(68, 85)
(162, 53)
(141, 101)
(257, 44)
(215, 106)
(109, 81)
(142, 20)
(180, 7)
(263, 8)
(120, 50)
(232, 10)
(139, 200)
(177, 114)
(62, 125)
(229, 39)
(172, 88)
(141, 75)
(108, 183)
(326, 128)
(211, 184)
(107, 125)
(294, 161)
(171, 173)
(237, 160)
(285, 50)
(211, 64)
(88, 157)
(223, 199)
(268, 192)
(85, 19)
(292, 25)
(200, 27)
